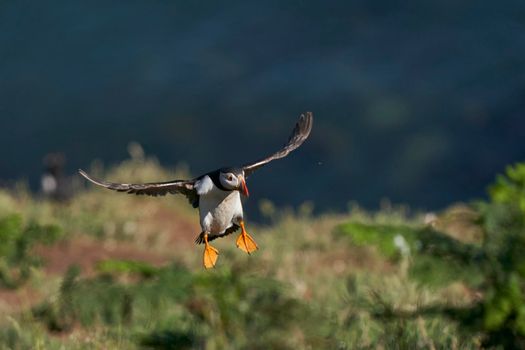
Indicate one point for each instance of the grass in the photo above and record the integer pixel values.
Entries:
(357, 280)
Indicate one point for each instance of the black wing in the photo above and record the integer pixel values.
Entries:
(154, 189)
(299, 134)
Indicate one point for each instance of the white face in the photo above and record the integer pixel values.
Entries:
(229, 181)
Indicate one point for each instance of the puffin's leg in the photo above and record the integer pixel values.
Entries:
(210, 254)
(245, 242)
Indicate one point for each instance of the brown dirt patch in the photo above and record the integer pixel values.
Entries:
(14, 300)
(174, 231)
(174, 234)
(86, 252)
(159, 237)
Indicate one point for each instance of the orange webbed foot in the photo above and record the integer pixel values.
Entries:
(245, 242)
(210, 255)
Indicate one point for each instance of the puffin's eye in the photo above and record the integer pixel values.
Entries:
(230, 177)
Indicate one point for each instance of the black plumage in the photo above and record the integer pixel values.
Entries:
(299, 134)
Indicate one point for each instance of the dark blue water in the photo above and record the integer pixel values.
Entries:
(420, 102)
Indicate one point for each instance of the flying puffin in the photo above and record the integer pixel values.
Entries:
(217, 194)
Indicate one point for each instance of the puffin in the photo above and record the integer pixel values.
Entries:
(53, 183)
(217, 194)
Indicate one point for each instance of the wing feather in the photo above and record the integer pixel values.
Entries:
(185, 187)
(299, 134)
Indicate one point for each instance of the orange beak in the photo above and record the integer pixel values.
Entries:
(244, 189)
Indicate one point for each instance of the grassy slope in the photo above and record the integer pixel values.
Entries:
(334, 281)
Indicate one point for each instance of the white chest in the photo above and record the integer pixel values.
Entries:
(218, 209)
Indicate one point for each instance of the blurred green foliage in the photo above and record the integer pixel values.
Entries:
(436, 259)
(494, 267)
(391, 279)
(224, 309)
(509, 189)
(127, 267)
(17, 238)
(503, 220)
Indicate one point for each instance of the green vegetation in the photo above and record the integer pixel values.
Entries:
(16, 239)
(436, 258)
(391, 279)
(503, 219)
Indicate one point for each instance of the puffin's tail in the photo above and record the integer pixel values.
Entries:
(200, 238)
(230, 230)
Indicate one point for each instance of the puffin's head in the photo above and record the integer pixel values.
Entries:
(233, 179)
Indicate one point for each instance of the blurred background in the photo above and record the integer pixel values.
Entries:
(422, 103)
(418, 102)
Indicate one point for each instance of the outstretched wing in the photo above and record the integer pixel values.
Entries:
(154, 189)
(300, 133)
